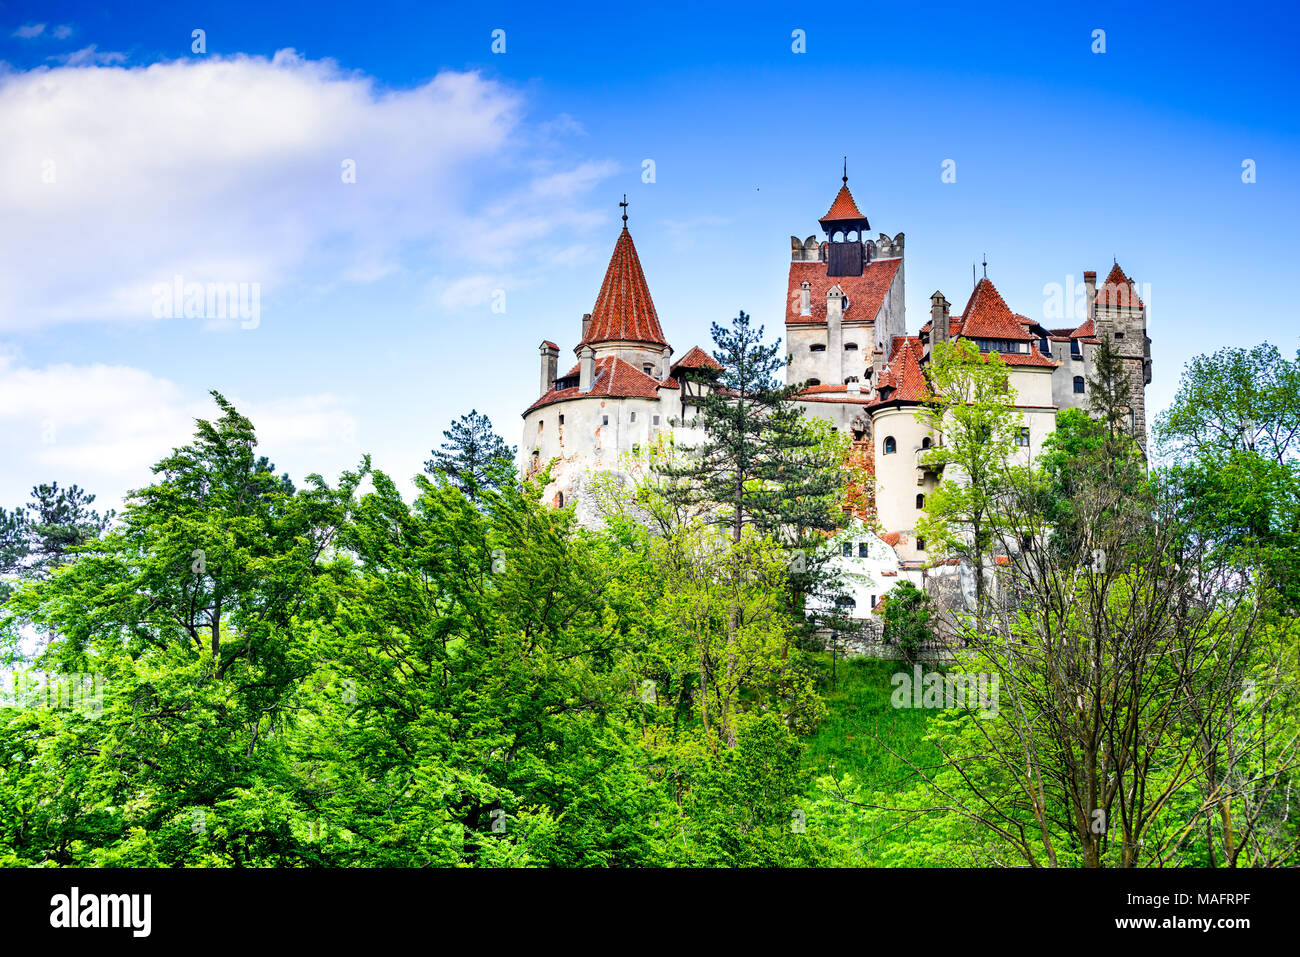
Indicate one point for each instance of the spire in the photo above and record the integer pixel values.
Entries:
(624, 311)
(624, 206)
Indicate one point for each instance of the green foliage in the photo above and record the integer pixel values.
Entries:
(907, 620)
(473, 457)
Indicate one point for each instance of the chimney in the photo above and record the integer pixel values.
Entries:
(586, 324)
(805, 298)
(586, 367)
(1090, 284)
(550, 355)
(877, 364)
(668, 362)
(938, 318)
(835, 335)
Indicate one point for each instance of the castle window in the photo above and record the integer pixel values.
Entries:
(648, 369)
(850, 347)
(847, 549)
(814, 381)
(920, 501)
(654, 420)
(891, 446)
(1076, 350)
(561, 419)
(862, 550)
(851, 378)
(1078, 383)
(559, 499)
(632, 418)
(540, 423)
(1022, 438)
(920, 544)
(817, 347)
(925, 442)
(604, 420)
(1045, 346)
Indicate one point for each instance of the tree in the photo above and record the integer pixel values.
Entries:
(473, 457)
(907, 620)
(38, 538)
(972, 411)
(760, 464)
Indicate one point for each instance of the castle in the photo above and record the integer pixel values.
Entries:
(846, 337)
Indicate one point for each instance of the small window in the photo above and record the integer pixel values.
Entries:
(920, 501)
(540, 423)
(1078, 383)
(561, 420)
(920, 544)
(632, 418)
(850, 347)
(862, 549)
(846, 549)
(636, 448)
(890, 445)
(851, 378)
(1022, 438)
(604, 420)
(648, 369)
(925, 442)
(817, 347)
(559, 499)
(1076, 350)
(654, 420)
(814, 381)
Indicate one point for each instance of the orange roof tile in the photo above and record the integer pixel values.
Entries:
(866, 293)
(624, 311)
(903, 376)
(987, 316)
(1118, 290)
(697, 358)
(843, 208)
(613, 378)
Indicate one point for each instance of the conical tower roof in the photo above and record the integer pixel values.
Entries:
(624, 311)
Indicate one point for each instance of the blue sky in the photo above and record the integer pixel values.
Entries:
(479, 172)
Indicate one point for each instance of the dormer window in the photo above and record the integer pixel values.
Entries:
(648, 369)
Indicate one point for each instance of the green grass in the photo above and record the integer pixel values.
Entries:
(860, 721)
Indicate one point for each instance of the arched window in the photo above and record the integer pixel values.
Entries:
(920, 501)
(850, 347)
(925, 442)
(890, 445)
(1078, 383)
(817, 347)
(814, 381)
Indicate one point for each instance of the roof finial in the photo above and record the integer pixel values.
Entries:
(846, 171)
(986, 265)
(624, 205)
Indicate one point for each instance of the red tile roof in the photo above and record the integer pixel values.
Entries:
(697, 358)
(624, 311)
(550, 345)
(866, 293)
(1118, 290)
(613, 378)
(843, 208)
(903, 374)
(987, 316)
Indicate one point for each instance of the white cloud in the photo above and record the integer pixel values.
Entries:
(103, 426)
(62, 32)
(88, 56)
(230, 170)
(30, 31)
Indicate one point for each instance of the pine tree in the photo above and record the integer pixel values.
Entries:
(760, 464)
(1109, 397)
(473, 458)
